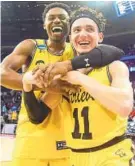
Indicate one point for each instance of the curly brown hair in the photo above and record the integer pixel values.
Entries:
(97, 17)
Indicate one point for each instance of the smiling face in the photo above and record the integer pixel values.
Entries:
(57, 24)
(85, 35)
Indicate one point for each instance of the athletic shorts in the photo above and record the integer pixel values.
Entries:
(39, 162)
(119, 154)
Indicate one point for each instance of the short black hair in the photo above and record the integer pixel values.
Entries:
(54, 5)
(97, 17)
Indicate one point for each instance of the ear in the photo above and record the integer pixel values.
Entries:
(101, 37)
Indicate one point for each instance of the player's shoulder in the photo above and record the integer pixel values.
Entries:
(27, 42)
(118, 67)
(25, 47)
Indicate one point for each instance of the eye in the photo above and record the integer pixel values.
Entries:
(50, 18)
(77, 30)
(62, 17)
(90, 29)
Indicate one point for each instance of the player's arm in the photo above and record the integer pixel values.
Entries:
(37, 110)
(118, 97)
(13, 62)
(98, 57)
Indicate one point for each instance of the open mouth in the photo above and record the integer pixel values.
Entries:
(84, 43)
(57, 30)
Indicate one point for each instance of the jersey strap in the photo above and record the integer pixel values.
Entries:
(41, 44)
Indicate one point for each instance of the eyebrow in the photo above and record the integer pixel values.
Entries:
(76, 27)
(86, 26)
(56, 15)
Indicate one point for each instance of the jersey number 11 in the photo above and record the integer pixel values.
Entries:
(76, 134)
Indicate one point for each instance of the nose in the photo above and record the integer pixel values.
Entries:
(83, 33)
(57, 20)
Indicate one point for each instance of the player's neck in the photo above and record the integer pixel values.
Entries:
(55, 47)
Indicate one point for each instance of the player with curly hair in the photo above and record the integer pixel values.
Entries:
(101, 107)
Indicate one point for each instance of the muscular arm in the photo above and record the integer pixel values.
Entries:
(118, 97)
(13, 62)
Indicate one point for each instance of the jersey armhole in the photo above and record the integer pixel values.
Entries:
(108, 74)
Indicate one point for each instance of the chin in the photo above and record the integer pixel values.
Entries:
(57, 39)
(84, 51)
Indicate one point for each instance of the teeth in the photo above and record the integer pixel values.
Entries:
(57, 29)
(84, 43)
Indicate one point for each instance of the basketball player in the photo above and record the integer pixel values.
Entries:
(101, 107)
(35, 144)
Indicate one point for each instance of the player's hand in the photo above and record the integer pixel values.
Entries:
(73, 77)
(85, 70)
(31, 78)
(61, 86)
(56, 69)
(27, 81)
(42, 67)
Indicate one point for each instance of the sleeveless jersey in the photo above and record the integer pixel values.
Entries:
(93, 124)
(45, 140)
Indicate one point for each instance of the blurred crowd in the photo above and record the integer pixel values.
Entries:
(131, 50)
(10, 106)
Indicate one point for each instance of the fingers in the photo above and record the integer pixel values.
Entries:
(65, 86)
(68, 88)
(47, 74)
(28, 78)
(35, 69)
(64, 78)
(51, 71)
(59, 69)
(38, 78)
(41, 67)
(44, 71)
(54, 73)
